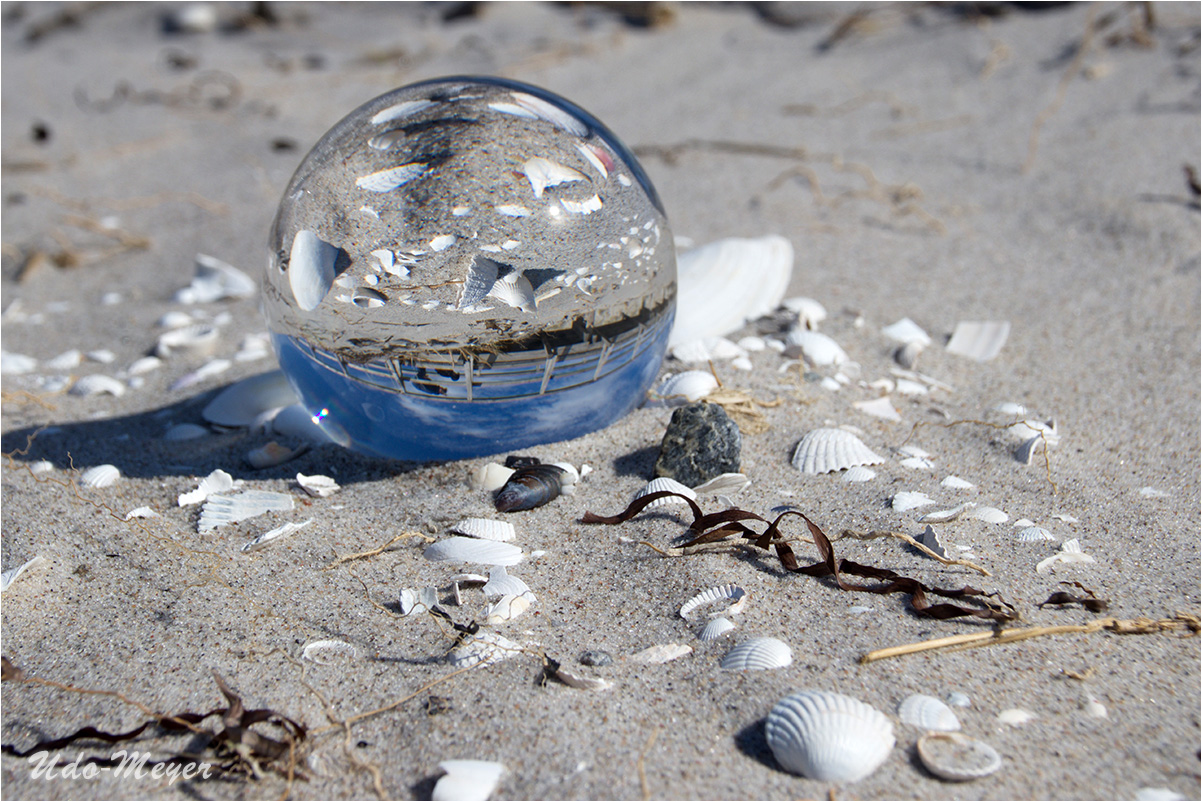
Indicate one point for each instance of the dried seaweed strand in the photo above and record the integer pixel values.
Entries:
(642, 768)
(361, 555)
(1130, 626)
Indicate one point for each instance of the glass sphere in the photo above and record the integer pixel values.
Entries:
(469, 266)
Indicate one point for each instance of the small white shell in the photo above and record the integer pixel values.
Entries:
(661, 653)
(10, 576)
(818, 349)
(418, 601)
(100, 476)
(809, 312)
(988, 514)
(216, 482)
(501, 583)
(141, 512)
(758, 654)
(485, 529)
(318, 486)
(692, 385)
(472, 550)
(907, 331)
(723, 483)
(283, 531)
(321, 651)
(879, 408)
(944, 516)
(826, 450)
(732, 592)
(490, 476)
(508, 607)
(828, 736)
(957, 483)
(956, 757)
(930, 539)
(665, 483)
(581, 682)
(716, 628)
(707, 349)
(467, 780)
(222, 510)
(1016, 717)
(1034, 533)
(199, 339)
(483, 649)
(980, 341)
(927, 713)
(96, 384)
(909, 500)
(859, 473)
(243, 401)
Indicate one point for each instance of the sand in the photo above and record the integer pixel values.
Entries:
(1027, 166)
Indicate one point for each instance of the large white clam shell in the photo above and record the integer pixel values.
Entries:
(956, 757)
(473, 550)
(827, 450)
(485, 529)
(758, 654)
(927, 713)
(828, 736)
(733, 592)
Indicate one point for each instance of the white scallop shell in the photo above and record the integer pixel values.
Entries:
(927, 713)
(818, 349)
(692, 385)
(723, 483)
(826, 450)
(989, 514)
(981, 341)
(100, 476)
(758, 654)
(716, 628)
(956, 757)
(96, 384)
(828, 736)
(243, 401)
(665, 483)
(1033, 533)
(859, 473)
(473, 550)
(909, 500)
(467, 780)
(725, 283)
(222, 510)
(732, 592)
(501, 583)
(485, 529)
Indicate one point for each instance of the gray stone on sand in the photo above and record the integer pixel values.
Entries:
(701, 442)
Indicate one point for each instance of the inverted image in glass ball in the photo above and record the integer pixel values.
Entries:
(468, 266)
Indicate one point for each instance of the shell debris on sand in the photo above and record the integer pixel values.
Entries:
(956, 757)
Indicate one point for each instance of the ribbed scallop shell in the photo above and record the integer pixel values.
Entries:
(732, 592)
(827, 450)
(828, 736)
(1034, 533)
(471, 550)
(716, 628)
(859, 473)
(500, 583)
(485, 529)
(100, 476)
(927, 713)
(692, 385)
(665, 483)
(956, 757)
(758, 654)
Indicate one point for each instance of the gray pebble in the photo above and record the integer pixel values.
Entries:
(596, 658)
(701, 442)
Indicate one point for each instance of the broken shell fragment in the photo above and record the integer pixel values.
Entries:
(508, 607)
(96, 384)
(758, 654)
(483, 649)
(490, 477)
(199, 339)
(981, 341)
(418, 601)
(910, 500)
(723, 483)
(581, 682)
(956, 757)
(907, 331)
(827, 450)
(927, 713)
(223, 510)
(10, 576)
(733, 592)
(317, 486)
(283, 531)
(661, 653)
(322, 652)
(467, 780)
(828, 736)
(501, 583)
(473, 550)
(216, 482)
(271, 454)
(485, 529)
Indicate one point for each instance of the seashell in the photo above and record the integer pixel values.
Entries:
(215, 280)
(930, 539)
(663, 483)
(879, 408)
(817, 348)
(67, 360)
(418, 601)
(742, 363)
(716, 628)
(752, 343)
(828, 736)
(96, 384)
(508, 607)
(1038, 444)
(907, 355)
(143, 365)
(809, 312)
(957, 699)
(485, 529)
(758, 654)
(490, 477)
(909, 500)
(826, 450)
(692, 385)
(723, 483)
(199, 339)
(1152, 492)
(1016, 717)
(10, 576)
(100, 476)
(580, 682)
(221, 510)
(661, 653)
(957, 483)
(908, 387)
(733, 592)
(917, 463)
(1094, 708)
(323, 651)
(467, 780)
(141, 512)
(14, 364)
(707, 349)
(1070, 552)
(243, 401)
(501, 583)
(283, 531)
(990, 515)
(185, 431)
(41, 466)
(722, 285)
(907, 331)
(981, 341)
(944, 516)
(216, 482)
(271, 454)
(543, 173)
(570, 475)
(483, 649)
(317, 486)
(473, 550)
(530, 487)
(1158, 794)
(956, 757)
(208, 370)
(859, 473)
(927, 713)
(1032, 534)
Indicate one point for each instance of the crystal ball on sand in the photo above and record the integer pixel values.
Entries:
(469, 266)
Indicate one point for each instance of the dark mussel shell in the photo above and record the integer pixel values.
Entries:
(530, 487)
